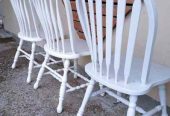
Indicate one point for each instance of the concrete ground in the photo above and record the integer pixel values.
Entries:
(20, 99)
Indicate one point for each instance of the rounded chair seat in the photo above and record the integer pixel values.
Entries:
(159, 74)
(32, 38)
(81, 49)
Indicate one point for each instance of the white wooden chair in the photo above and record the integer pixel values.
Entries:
(29, 32)
(58, 46)
(123, 73)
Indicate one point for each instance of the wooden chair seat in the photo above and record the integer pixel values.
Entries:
(81, 49)
(33, 38)
(159, 74)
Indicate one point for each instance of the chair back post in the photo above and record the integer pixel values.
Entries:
(153, 26)
(70, 23)
(92, 20)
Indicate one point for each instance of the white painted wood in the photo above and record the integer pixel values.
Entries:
(26, 19)
(59, 45)
(17, 54)
(36, 64)
(86, 97)
(132, 106)
(60, 26)
(75, 67)
(159, 75)
(125, 101)
(56, 31)
(41, 71)
(63, 86)
(162, 95)
(119, 94)
(119, 38)
(79, 75)
(70, 23)
(153, 111)
(99, 34)
(132, 37)
(122, 73)
(99, 92)
(29, 31)
(93, 33)
(85, 23)
(152, 29)
(109, 30)
(101, 87)
(50, 18)
(77, 87)
(109, 23)
(31, 62)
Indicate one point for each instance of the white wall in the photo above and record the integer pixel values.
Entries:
(10, 21)
(162, 47)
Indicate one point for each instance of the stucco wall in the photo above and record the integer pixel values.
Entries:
(10, 21)
(162, 47)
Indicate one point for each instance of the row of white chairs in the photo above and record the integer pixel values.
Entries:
(41, 20)
(108, 67)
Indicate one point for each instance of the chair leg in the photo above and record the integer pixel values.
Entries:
(162, 95)
(119, 94)
(41, 71)
(63, 86)
(17, 54)
(86, 97)
(101, 87)
(75, 67)
(132, 105)
(31, 62)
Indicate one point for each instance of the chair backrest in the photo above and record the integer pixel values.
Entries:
(26, 17)
(77, 24)
(49, 13)
(93, 33)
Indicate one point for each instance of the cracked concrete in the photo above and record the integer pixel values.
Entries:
(20, 99)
